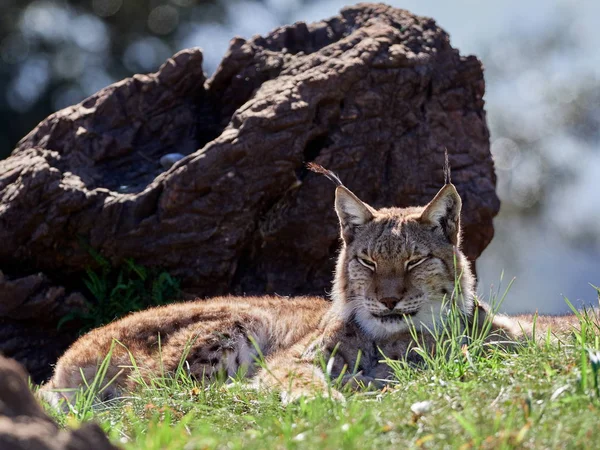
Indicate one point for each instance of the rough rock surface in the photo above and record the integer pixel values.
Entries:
(25, 426)
(30, 310)
(375, 94)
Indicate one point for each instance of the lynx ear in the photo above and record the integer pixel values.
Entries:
(351, 211)
(444, 212)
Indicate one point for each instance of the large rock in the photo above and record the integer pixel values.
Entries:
(25, 426)
(376, 94)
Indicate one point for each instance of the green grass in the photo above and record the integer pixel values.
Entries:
(533, 398)
(116, 292)
(468, 395)
(539, 396)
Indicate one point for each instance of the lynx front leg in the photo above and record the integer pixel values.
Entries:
(360, 381)
(295, 378)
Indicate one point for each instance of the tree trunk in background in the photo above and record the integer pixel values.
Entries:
(375, 94)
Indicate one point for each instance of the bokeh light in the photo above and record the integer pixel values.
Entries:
(106, 8)
(146, 54)
(29, 84)
(14, 48)
(163, 19)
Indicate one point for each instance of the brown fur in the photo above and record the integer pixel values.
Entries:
(395, 266)
(220, 335)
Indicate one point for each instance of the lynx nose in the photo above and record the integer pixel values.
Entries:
(390, 302)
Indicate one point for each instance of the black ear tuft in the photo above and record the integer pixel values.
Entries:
(351, 211)
(447, 174)
(317, 168)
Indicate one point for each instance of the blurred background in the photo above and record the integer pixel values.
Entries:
(542, 69)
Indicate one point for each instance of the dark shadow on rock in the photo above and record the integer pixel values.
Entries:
(30, 309)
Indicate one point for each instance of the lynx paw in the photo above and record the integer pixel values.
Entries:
(359, 381)
(293, 396)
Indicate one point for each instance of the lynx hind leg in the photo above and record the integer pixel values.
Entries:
(57, 399)
(61, 391)
(211, 355)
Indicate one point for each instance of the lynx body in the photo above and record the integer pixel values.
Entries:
(396, 266)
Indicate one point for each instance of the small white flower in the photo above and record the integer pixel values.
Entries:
(421, 408)
(346, 427)
(300, 437)
(594, 356)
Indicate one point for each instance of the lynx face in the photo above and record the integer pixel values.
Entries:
(397, 265)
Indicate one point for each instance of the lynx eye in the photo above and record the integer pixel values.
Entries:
(415, 262)
(368, 263)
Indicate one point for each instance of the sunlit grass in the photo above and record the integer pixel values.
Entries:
(542, 393)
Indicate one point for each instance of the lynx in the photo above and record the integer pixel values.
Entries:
(396, 267)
